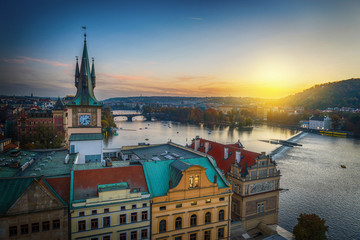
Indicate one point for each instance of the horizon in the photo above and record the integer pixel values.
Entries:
(266, 50)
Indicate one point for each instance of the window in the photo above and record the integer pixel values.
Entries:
(133, 206)
(207, 217)
(253, 174)
(191, 182)
(93, 212)
(133, 217)
(178, 238)
(106, 210)
(35, 227)
(178, 223)
(94, 223)
(144, 233)
(122, 208)
(81, 226)
(12, 231)
(220, 233)
(56, 224)
(123, 219)
(133, 235)
(144, 205)
(196, 181)
(260, 207)
(24, 229)
(208, 200)
(193, 203)
(81, 214)
(193, 220)
(162, 208)
(221, 199)
(178, 205)
(207, 235)
(95, 238)
(122, 236)
(144, 215)
(106, 237)
(221, 215)
(106, 222)
(46, 226)
(193, 236)
(162, 226)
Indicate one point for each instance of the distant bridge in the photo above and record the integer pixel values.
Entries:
(130, 116)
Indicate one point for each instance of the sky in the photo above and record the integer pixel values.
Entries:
(242, 48)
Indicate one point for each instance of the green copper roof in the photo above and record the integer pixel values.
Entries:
(11, 189)
(159, 173)
(85, 83)
(85, 136)
(113, 186)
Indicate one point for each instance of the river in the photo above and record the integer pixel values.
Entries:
(312, 173)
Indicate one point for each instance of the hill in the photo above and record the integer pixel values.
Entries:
(344, 93)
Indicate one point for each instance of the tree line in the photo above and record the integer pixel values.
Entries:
(196, 115)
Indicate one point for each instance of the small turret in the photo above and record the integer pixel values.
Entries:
(77, 73)
(93, 77)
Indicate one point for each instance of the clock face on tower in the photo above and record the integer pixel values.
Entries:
(84, 119)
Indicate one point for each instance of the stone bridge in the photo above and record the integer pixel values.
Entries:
(131, 115)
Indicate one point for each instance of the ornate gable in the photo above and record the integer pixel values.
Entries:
(34, 199)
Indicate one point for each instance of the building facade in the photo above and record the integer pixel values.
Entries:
(31, 209)
(254, 179)
(320, 123)
(110, 203)
(190, 197)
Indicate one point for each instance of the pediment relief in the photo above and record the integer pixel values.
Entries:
(34, 198)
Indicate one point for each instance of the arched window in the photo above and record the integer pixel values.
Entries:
(178, 223)
(193, 220)
(162, 226)
(208, 217)
(221, 215)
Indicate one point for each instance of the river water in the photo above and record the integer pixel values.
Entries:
(312, 174)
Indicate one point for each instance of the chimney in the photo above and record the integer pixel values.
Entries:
(207, 147)
(226, 153)
(197, 144)
(238, 156)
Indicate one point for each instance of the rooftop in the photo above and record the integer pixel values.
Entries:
(85, 136)
(86, 182)
(33, 163)
(162, 152)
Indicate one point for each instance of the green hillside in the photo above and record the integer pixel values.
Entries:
(344, 93)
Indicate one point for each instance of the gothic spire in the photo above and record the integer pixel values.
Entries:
(93, 77)
(77, 74)
(86, 81)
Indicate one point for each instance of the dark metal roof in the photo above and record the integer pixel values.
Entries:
(85, 136)
(59, 105)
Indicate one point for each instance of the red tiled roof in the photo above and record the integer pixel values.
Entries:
(86, 181)
(248, 158)
(61, 186)
(10, 146)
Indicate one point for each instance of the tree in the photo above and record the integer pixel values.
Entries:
(310, 227)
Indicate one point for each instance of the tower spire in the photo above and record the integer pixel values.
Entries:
(77, 73)
(93, 77)
(85, 81)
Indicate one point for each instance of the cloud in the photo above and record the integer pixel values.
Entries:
(195, 18)
(23, 59)
(121, 77)
(195, 78)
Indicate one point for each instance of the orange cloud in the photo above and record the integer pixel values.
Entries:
(23, 59)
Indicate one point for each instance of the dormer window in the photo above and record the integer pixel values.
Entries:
(196, 182)
(191, 182)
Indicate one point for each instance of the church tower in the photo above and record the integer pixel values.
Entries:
(84, 114)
